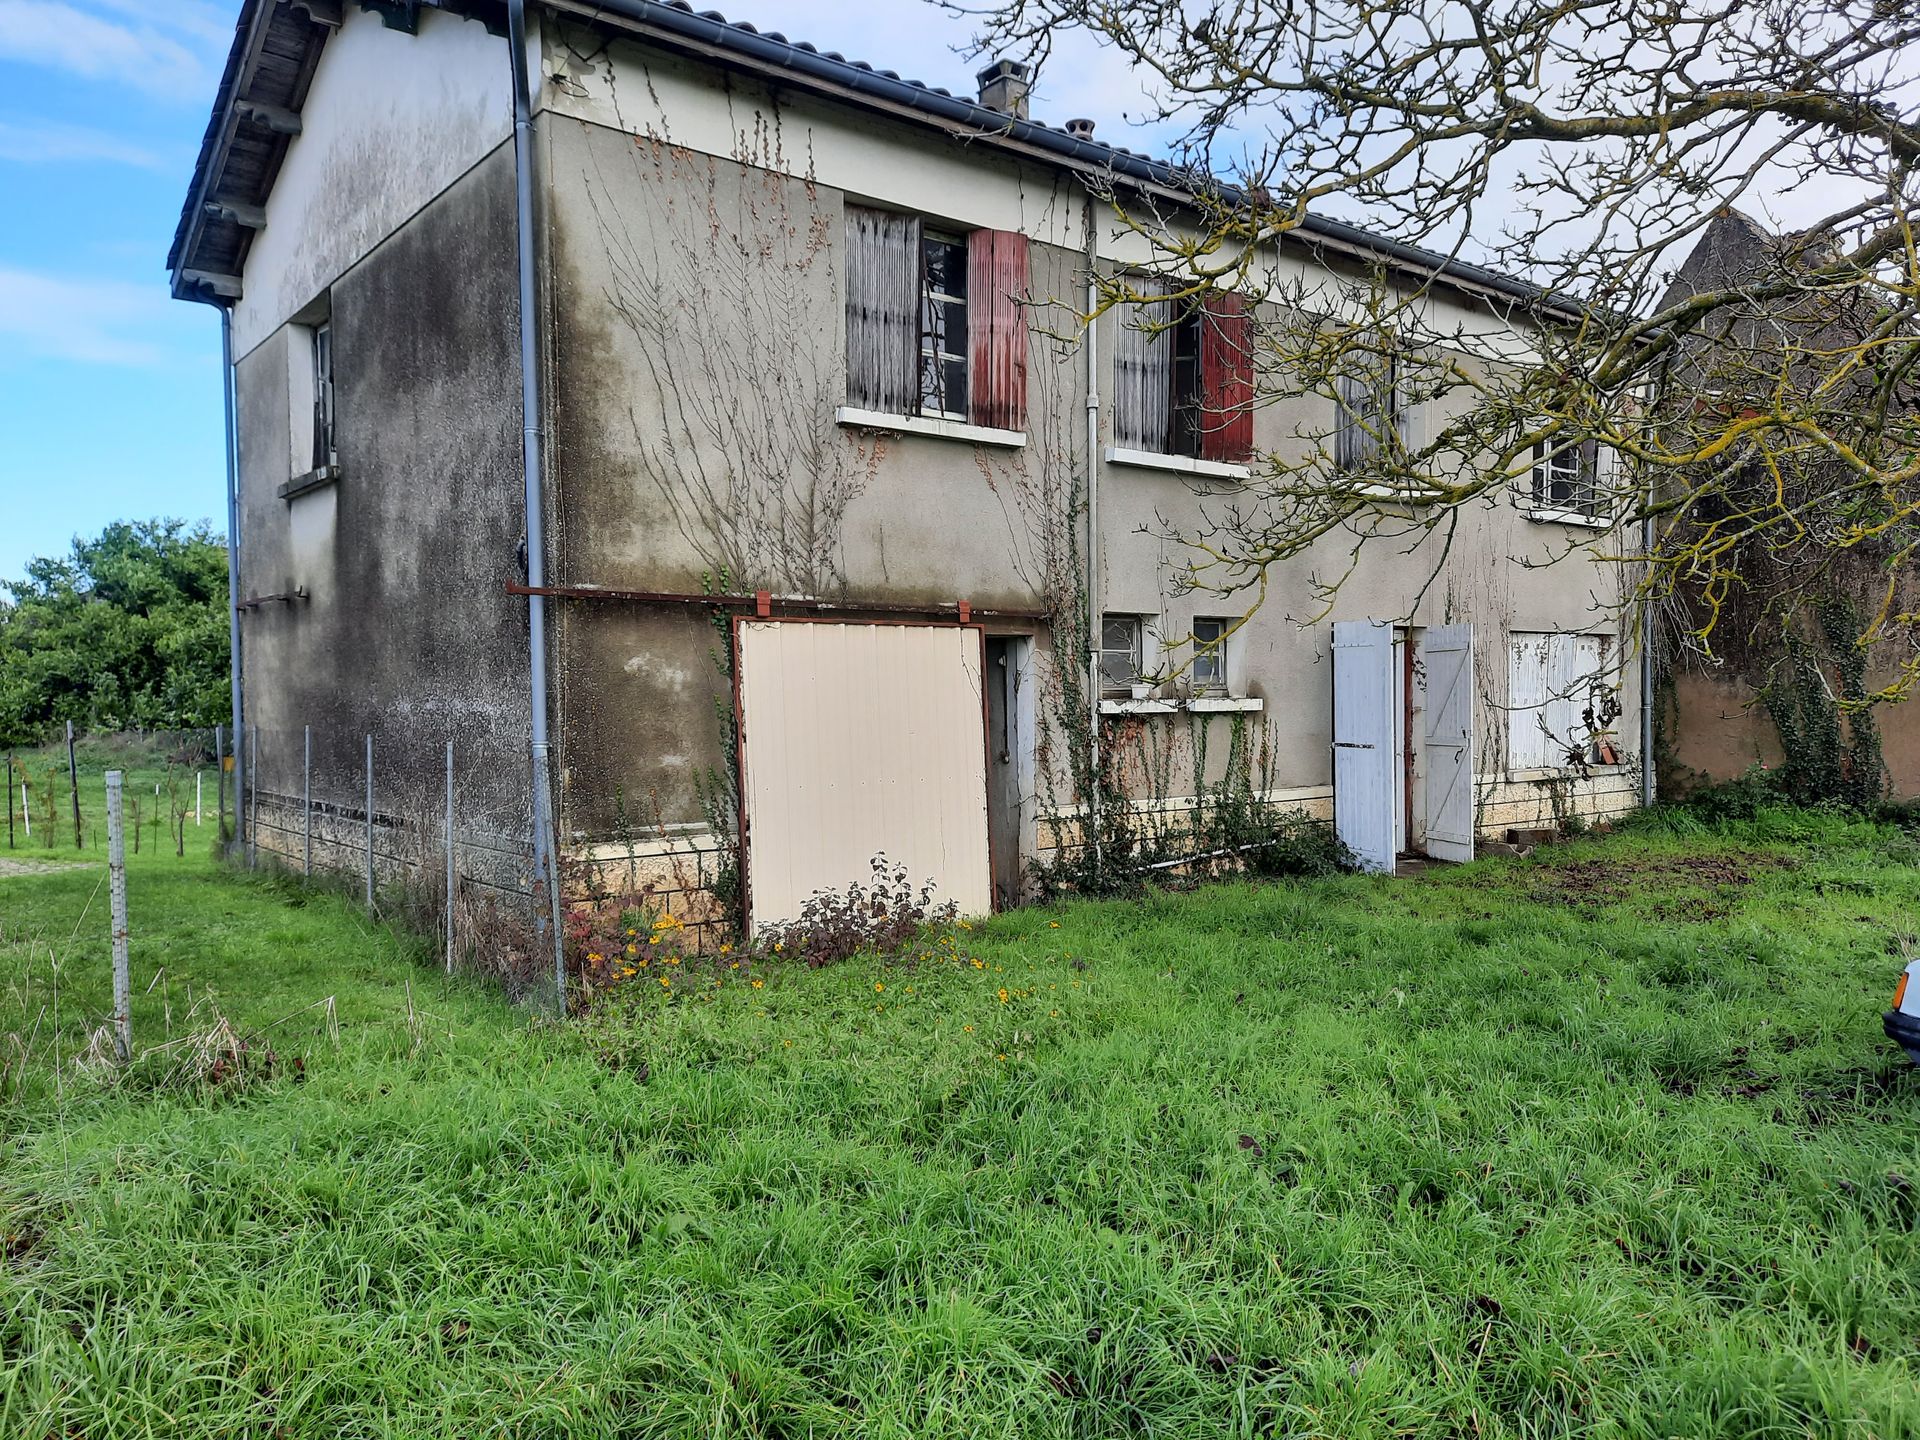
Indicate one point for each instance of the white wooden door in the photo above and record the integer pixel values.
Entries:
(1446, 656)
(860, 740)
(1363, 721)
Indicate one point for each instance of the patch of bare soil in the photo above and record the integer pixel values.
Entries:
(38, 867)
(1591, 886)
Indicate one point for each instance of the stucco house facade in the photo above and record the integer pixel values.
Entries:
(828, 479)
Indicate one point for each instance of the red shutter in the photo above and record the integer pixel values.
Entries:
(1226, 378)
(996, 329)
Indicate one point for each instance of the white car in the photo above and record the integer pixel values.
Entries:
(1903, 1020)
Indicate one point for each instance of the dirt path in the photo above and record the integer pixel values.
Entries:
(39, 867)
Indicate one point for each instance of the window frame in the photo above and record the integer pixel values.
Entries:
(1212, 653)
(938, 405)
(1537, 722)
(1551, 467)
(1360, 436)
(1135, 653)
(326, 416)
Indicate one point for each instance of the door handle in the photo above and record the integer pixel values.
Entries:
(1353, 745)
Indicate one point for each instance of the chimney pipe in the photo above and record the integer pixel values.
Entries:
(1004, 86)
(1080, 129)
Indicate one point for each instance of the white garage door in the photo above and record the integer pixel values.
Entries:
(859, 740)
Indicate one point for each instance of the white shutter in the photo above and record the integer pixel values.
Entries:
(883, 311)
(1143, 373)
(1551, 679)
(1446, 652)
(1363, 771)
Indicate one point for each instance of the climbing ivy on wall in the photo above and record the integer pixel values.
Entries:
(1817, 698)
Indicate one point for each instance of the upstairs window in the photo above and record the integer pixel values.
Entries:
(1372, 409)
(326, 450)
(934, 325)
(1567, 477)
(1183, 376)
(943, 327)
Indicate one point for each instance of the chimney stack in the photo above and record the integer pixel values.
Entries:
(1080, 129)
(1004, 86)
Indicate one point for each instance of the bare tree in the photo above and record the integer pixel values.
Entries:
(1764, 419)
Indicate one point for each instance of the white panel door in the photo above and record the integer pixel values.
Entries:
(1363, 723)
(1446, 655)
(856, 741)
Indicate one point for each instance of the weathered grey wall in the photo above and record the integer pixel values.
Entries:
(406, 630)
(698, 339)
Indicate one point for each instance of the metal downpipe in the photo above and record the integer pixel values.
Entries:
(545, 872)
(1095, 625)
(238, 747)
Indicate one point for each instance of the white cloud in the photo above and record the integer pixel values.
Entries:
(47, 142)
(98, 322)
(148, 56)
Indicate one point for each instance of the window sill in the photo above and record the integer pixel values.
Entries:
(928, 425)
(1392, 494)
(1550, 773)
(1199, 705)
(1570, 517)
(315, 479)
(1178, 464)
(1226, 704)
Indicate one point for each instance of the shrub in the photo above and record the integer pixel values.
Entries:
(881, 917)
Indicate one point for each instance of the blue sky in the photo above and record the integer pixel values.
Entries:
(109, 389)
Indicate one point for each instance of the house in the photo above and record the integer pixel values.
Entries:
(1769, 687)
(824, 479)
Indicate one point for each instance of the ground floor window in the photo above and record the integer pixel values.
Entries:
(1562, 700)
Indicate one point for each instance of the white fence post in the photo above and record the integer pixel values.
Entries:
(253, 797)
(450, 879)
(306, 804)
(369, 823)
(198, 776)
(117, 898)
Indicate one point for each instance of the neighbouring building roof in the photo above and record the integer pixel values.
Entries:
(277, 44)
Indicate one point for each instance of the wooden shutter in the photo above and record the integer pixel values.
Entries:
(883, 311)
(1143, 372)
(996, 329)
(1226, 378)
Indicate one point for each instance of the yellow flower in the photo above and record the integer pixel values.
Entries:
(594, 955)
(734, 966)
(964, 925)
(979, 964)
(665, 983)
(778, 947)
(1003, 994)
(633, 949)
(1053, 924)
(757, 983)
(633, 932)
(967, 1029)
(1053, 1012)
(786, 1042)
(1000, 1056)
(726, 949)
(878, 986)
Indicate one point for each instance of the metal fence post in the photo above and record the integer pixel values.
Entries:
(253, 796)
(73, 785)
(369, 822)
(306, 803)
(9, 802)
(220, 782)
(117, 898)
(450, 881)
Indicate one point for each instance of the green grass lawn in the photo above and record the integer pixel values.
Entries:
(1606, 1143)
